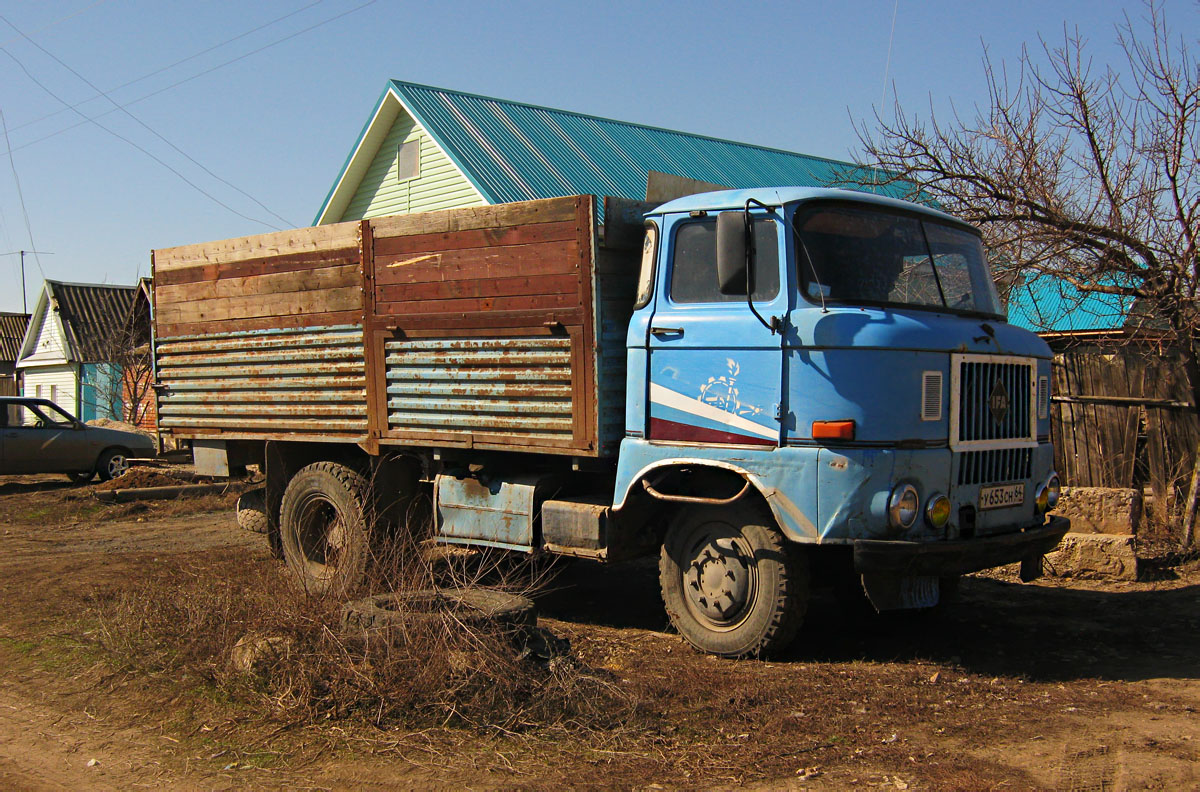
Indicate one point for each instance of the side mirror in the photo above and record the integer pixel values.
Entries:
(731, 252)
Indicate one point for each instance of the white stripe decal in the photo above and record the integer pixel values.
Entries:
(677, 401)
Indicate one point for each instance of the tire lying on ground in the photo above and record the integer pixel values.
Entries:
(252, 511)
(399, 613)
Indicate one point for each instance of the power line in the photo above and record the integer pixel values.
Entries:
(187, 156)
(148, 75)
(24, 211)
(52, 24)
(197, 75)
(21, 253)
(86, 118)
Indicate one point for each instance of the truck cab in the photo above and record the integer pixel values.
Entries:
(825, 383)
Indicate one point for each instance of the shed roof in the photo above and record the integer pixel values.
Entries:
(1045, 304)
(511, 151)
(91, 315)
(12, 331)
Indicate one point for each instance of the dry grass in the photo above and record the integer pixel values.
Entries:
(185, 624)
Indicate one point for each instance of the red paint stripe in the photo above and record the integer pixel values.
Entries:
(670, 430)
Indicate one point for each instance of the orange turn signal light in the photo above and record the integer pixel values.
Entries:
(833, 430)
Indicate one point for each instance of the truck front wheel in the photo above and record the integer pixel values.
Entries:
(323, 528)
(730, 583)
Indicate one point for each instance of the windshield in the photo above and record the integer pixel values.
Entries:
(865, 255)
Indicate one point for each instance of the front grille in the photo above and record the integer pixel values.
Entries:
(996, 466)
(993, 401)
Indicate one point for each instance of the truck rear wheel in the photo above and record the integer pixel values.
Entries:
(323, 528)
(730, 583)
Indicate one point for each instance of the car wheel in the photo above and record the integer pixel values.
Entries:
(323, 529)
(83, 477)
(113, 462)
(730, 583)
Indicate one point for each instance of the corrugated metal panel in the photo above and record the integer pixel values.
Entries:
(519, 152)
(440, 186)
(92, 316)
(305, 380)
(1048, 304)
(12, 334)
(510, 386)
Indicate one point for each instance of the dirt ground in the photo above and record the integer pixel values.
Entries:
(1050, 685)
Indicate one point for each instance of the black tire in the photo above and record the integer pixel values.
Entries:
(730, 583)
(252, 511)
(82, 477)
(113, 463)
(323, 528)
(476, 608)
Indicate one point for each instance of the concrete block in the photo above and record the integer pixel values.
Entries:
(1095, 556)
(1101, 510)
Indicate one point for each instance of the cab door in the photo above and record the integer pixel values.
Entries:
(716, 369)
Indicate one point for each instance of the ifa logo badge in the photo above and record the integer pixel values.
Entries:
(998, 402)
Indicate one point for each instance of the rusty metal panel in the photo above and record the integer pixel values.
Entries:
(308, 380)
(515, 386)
(499, 511)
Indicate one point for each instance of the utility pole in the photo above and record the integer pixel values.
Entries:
(24, 301)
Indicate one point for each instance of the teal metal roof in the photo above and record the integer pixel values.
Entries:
(1045, 304)
(515, 152)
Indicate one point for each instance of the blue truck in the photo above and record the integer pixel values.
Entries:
(769, 389)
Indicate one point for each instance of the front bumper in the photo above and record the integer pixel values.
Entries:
(939, 559)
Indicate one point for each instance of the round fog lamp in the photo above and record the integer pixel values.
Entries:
(1042, 500)
(1053, 490)
(937, 511)
(903, 505)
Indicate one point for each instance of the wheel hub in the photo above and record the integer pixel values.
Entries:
(718, 582)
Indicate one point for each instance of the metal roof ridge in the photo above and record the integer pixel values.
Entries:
(637, 125)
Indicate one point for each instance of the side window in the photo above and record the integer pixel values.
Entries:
(646, 273)
(694, 263)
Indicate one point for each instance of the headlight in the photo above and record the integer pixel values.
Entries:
(937, 511)
(1053, 490)
(1042, 500)
(903, 505)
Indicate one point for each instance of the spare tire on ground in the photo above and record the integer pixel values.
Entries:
(401, 613)
(252, 510)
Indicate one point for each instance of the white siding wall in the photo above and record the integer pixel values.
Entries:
(440, 186)
(49, 347)
(58, 383)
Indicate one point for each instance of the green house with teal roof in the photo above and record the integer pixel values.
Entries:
(425, 149)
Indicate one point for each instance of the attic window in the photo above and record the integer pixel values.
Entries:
(408, 160)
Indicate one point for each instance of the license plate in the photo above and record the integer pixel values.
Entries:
(1001, 496)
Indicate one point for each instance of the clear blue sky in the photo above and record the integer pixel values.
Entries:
(278, 123)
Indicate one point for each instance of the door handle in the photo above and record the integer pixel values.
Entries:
(660, 331)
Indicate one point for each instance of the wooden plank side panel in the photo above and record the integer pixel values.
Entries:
(518, 270)
(261, 246)
(342, 276)
(550, 210)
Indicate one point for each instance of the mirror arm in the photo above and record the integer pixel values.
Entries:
(774, 324)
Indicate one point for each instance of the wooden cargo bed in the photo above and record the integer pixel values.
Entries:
(472, 328)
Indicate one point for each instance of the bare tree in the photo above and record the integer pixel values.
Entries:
(1086, 174)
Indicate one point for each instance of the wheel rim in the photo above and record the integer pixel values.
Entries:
(720, 580)
(321, 536)
(118, 464)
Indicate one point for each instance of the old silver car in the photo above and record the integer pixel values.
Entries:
(38, 436)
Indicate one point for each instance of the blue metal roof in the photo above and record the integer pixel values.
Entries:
(1046, 304)
(516, 152)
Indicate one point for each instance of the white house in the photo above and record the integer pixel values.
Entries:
(64, 357)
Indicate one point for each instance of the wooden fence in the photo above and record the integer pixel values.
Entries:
(1123, 417)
